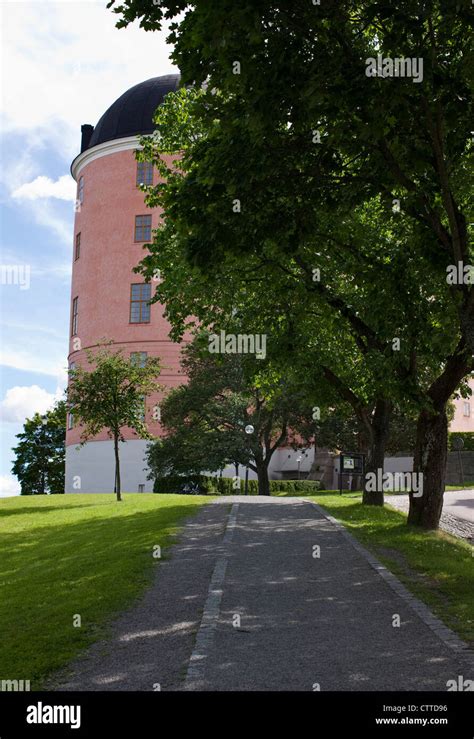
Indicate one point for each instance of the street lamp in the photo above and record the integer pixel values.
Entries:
(249, 429)
(299, 460)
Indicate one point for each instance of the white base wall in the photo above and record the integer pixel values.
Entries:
(91, 468)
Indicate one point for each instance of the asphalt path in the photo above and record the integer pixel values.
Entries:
(271, 594)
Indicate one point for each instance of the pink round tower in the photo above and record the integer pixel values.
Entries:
(108, 300)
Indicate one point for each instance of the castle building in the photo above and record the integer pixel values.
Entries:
(108, 300)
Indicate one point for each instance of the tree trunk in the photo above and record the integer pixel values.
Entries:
(431, 447)
(263, 481)
(378, 428)
(117, 469)
(430, 463)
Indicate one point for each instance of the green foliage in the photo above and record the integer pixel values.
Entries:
(205, 419)
(225, 485)
(109, 393)
(40, 454)
(172, 484)
(318, 154)
(466, 436)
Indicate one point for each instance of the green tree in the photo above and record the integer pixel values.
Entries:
(110, 393)
(350, 347)
(300, 130)
(234, 410)
(40, 454)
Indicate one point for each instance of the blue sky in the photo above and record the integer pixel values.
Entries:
(63, 64)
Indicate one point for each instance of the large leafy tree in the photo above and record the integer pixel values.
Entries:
(234, 409)
(40, 453)
(338, 329)
(300, 130)
(110, 393)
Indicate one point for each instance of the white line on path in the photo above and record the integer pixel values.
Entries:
(205, 634)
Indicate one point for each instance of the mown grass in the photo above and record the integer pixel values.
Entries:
(436, 567)
(63, 555)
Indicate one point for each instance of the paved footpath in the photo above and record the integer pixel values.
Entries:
(245, 603)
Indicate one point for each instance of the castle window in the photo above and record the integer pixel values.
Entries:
(75, 308)
(142, 228)
(144, 173)
(140, 296)
(77, 252)
(80, 190)
(70, 421)
(138, 359)
(467, 409)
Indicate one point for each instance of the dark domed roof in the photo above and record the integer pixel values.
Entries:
(132, 113)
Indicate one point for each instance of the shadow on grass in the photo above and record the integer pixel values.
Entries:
(92, 568)
(4, 512)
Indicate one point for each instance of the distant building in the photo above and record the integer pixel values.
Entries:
(464, 412)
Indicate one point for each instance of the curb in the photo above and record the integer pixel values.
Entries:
(443, 632)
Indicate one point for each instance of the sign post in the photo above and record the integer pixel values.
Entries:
(350, 464)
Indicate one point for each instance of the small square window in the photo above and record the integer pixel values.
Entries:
(142, 228)
(144, 173)
(138, 359)
(77, 252)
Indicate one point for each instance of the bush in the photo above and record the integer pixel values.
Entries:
(173, 483)
(225, 485)
(295, 486)
(466, 436)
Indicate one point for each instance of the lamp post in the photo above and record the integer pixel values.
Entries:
(299, 459)
(249, 429)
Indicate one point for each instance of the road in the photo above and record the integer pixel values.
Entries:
(460, 503)
(271, 594)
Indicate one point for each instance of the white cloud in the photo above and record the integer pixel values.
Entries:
(9, 486)
(38, 359)
(21, 403)
(43, 187)
(74, 65)
(43, 213)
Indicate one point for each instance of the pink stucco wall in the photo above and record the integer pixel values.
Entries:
(460, 421)
(102, 276)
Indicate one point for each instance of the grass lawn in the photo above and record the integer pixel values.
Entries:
(436, 567)
(63, 555)
(466, 486)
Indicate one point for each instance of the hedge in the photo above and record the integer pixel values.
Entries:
(225, 485)
(466, 436)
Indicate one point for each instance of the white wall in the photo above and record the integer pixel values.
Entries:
(91, 468)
